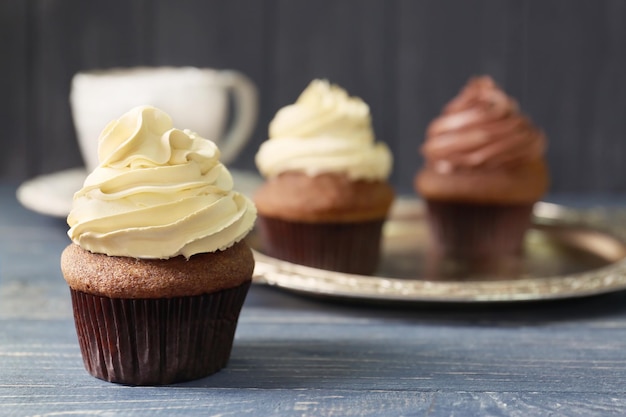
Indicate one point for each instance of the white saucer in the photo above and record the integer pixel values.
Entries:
(52, 194)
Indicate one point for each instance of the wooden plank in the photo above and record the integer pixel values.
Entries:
(217, 34)
(14, 86)
(69, 36)
(334, 40)
(576, 90)
(220, 402)
(325, 364)
(341, 41)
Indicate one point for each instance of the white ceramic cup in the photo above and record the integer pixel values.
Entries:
(195, 98)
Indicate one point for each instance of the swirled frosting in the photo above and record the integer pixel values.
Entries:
(324, 131)
(481, 128)
(158, 192)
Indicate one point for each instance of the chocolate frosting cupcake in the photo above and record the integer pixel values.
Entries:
(482, 149)
(484, 170)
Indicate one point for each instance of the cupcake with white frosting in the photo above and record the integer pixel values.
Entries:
(326, 194)
(158, 269)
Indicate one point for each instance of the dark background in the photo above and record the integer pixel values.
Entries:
(564, 60)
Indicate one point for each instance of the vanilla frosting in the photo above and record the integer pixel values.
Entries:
(158, 192)
(324, 131)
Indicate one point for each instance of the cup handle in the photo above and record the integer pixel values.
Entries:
(245, 100)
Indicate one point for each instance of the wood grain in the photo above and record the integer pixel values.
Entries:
(298, 356)
(14, 87)
(321, 364)
(562, 59)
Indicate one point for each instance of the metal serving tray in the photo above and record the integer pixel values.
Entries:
(567, 253)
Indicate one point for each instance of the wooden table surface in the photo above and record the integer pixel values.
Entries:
(296, 356)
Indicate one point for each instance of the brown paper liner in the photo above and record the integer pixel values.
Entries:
(345, 247)
(156, 341)
(472, 231)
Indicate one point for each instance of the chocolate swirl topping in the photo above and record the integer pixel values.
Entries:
(481, 128)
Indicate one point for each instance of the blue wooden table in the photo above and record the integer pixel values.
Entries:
(295, 356)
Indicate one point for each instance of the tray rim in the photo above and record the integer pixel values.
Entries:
(329, 284)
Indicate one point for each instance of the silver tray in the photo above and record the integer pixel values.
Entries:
(567, 253)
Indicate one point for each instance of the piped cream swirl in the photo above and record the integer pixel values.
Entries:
(324, 131)
(481, 128)
(158, 192)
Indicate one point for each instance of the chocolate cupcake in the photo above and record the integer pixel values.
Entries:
(158, 269)
(484, 170)
(326, 195)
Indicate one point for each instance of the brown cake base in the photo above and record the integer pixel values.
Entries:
(157, 341)
(473, 231)
(352, 248)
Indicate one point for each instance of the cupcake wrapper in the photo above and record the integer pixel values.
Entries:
(345, 247)
(478, 231)
(156, 341)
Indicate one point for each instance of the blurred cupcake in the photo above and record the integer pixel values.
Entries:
(158, 270)
(326, 194)
(484, 170)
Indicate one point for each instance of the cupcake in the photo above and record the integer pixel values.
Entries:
(484, 170)
(325, 196)
(157, 269)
